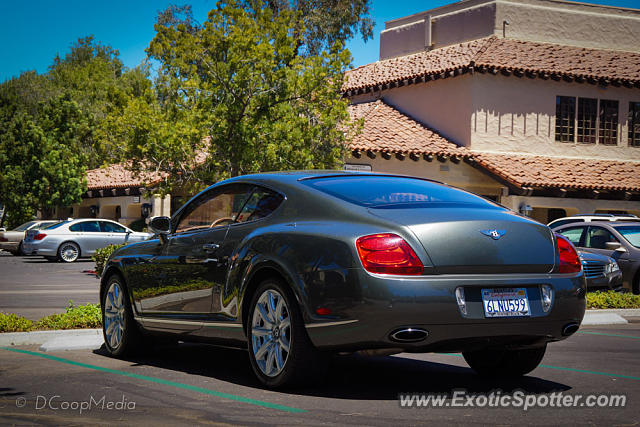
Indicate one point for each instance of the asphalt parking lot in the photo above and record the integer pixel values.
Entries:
(210, 385)
(34, 287)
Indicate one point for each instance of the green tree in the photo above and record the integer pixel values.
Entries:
(238, 80)
(40, 166)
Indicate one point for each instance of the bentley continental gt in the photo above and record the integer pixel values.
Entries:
(295, 266)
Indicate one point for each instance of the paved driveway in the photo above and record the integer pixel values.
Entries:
(34, 287)
(198, 384)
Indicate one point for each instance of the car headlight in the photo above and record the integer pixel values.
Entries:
(612, 267)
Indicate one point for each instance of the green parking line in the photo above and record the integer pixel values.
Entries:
(560, 368)
(161, 381)
(609, 335)
(582, 371)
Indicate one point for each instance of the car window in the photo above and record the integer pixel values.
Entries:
(59, 224)
(217, 208)
(46, 224)
(259, 205)
(631, 234)
(110, 227)
(86, 226)
(574, 234)
(598, 237)
(24, 226)
(562, 222)
(393, 192)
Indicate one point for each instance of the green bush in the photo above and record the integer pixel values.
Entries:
(101, 256)
(74, 317)
(13, 323)
(611, 299)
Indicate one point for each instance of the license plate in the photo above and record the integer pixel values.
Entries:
(507, 302)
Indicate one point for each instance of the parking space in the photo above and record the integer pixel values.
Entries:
(34, 287)
(205, 384)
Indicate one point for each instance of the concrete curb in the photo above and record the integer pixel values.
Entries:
(91, 339)
(71, 339)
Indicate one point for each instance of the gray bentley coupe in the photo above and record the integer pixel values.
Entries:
(299, 265)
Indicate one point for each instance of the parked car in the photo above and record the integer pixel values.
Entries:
(297, 265)
(593, 218)
(69, 240)
(618, 240)
(602, 272)
(11, 241)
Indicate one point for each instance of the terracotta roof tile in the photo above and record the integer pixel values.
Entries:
(501, 54)
(117, 176)
(568, 173)
(388, 130)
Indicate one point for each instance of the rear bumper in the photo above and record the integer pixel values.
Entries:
(43, 248)
(389, 304)
(9, 246)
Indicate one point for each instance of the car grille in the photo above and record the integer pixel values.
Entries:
(593, 268)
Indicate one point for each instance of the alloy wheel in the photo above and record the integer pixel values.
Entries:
(69, 252)
(271, 332)
(114, 313)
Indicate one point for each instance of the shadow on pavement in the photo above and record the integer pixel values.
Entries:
(350, 377)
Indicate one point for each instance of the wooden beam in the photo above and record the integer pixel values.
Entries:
(443, 158)
(401, 156)
(371, 154)
(428, 157)
(414, 156)
(386, 155)
(356, 154)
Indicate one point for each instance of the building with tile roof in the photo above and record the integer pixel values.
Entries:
(534, 103)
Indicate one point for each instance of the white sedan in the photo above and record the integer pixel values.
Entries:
(69, 240)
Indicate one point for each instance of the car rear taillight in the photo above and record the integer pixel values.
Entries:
(388, 254)
(3, 239)
(569, 259)
(39, 236)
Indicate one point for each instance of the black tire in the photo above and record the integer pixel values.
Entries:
(68, 252)
(131, 340)
(500, 362)
(20, 250)
(303, 364)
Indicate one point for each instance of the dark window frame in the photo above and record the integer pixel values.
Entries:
(608, 115)
(587, 121)
(565, 118)
(633, 124)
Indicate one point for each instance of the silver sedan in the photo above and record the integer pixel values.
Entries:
(69, 240)
(11, 240)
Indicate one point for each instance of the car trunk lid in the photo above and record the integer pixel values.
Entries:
(474, 240)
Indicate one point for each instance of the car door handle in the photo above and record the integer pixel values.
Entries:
(210, 247)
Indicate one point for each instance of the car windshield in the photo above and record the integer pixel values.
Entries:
(51, 227)
(392, 192)
(631, 233)
(24, 226)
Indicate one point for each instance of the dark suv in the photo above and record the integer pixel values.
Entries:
(616, 239)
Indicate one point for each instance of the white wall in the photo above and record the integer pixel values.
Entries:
(512, 114)
(548, 21)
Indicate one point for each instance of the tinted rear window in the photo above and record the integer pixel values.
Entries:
(389, 192)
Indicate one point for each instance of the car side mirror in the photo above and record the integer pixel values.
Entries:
(160, 225)
(614, 246)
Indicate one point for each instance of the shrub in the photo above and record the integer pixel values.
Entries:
(101, 256)
(13, 323)
(611, 299)
(74, 317)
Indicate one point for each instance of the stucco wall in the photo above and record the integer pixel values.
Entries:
(512, 114)
(549, 21)
(443, 105)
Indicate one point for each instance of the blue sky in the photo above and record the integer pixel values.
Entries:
(32, 32)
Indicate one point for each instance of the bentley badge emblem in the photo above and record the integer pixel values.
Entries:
(494, 234)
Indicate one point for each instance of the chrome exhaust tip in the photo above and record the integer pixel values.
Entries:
(570, 329)
(409, 335)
